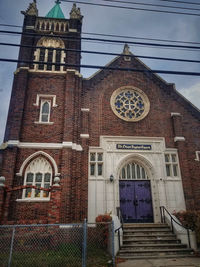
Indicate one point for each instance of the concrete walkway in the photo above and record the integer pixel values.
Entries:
(173, 262)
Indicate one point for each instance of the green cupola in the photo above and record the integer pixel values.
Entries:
(56, 11)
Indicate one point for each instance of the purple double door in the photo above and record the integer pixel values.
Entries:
(136, 201)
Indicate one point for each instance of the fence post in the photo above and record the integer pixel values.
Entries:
(84, 254)
(11, 247)
(113, 242)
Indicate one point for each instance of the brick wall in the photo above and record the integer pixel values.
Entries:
(70, 203)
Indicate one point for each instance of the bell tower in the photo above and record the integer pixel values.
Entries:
(51, 31)
(44, 118)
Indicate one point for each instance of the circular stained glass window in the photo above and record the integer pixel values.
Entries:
(130, 103)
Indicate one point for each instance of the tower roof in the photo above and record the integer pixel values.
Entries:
(56, 11)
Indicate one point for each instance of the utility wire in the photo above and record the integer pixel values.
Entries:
(135, 45)
(155, 5)
(101, 67)
(134, 8)
(181, 2)
(119, 44)
(101, 40)
(122, 36)
(10, 25)
(141, 38)
(101, 53)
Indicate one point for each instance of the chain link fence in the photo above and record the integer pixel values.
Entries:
(69, 245)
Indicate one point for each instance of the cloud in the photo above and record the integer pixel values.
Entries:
(192, 94)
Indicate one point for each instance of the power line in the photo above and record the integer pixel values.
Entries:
(155, 5)
(101, 53)
(186, 73)
(123, 36)
(142, 38)
(101, 40)
(134, 8)
(10, 25)
(135, 45)
(119, 44)
(181, 2)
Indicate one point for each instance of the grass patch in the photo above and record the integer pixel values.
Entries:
(65, 255)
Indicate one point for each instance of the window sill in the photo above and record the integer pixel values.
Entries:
(33, 200)
(173, 178)
(47, 123)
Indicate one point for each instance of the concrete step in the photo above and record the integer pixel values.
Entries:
(146, 232)
(139, 225)
(147, 247)
(144, 226)
(134, 257)
(149, 237)
(151, 241)
(155, 252)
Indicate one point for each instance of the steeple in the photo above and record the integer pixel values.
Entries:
(75, 13)
(56, 11)
(31, 10)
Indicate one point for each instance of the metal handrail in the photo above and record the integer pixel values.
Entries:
(162, 213)
(119, 214)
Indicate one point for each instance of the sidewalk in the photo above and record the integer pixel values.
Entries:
(173, 262)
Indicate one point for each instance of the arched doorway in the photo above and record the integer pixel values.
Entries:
(135, 194)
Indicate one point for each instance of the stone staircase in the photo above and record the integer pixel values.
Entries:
(151, 240)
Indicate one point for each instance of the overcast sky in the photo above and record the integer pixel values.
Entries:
(112, 21)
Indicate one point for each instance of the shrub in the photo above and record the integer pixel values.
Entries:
(103, 228)
(191, 220)
(103, 218)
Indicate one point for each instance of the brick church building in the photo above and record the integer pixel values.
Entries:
(78, 147)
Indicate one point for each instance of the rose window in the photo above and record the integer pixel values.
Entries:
(130, 103)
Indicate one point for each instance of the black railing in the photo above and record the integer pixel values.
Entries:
(119, 214)
(172, 221)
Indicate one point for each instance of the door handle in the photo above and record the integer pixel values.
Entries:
(135, 202)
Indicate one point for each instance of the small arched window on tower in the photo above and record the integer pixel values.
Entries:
(45, 111)
(52, 54)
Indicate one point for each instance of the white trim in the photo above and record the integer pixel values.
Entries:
(21, 68)
(13, 142)
(173, 114)
(179, 138)
(171, 150)
(125, 138)
(127, 58)
(34, 155)
(72, 30)
(75, 72)
(49, 71)
(44, 96)
(42, 122)
(30, 27)
(74, 146)
(197, 156)
(33, 200)
(84, 136)
(85, 110)
(3, 146)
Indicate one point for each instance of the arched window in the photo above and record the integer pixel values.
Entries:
(49, 54)
(45, 111)
(133, 171)
(39, 174)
